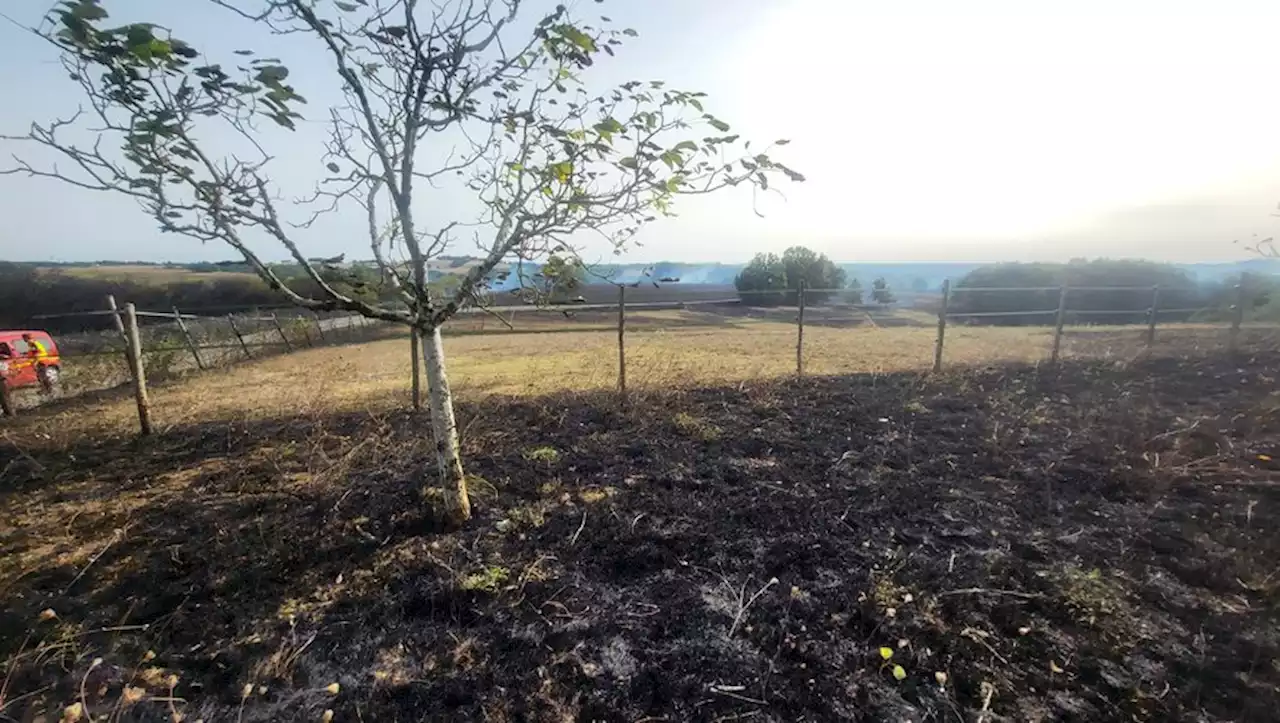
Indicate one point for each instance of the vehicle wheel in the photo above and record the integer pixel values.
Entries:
(52, 379)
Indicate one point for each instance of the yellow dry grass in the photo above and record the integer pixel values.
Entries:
(158, 275)
(375, 376)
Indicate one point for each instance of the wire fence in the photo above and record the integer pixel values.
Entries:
(836, 331)
(701, 336)
(178, 342)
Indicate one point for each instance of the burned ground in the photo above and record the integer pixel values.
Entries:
(1098, 544)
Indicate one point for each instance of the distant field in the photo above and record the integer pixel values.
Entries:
(157, 275)
(594, 293)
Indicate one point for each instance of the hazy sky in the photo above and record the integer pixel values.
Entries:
(928, 130)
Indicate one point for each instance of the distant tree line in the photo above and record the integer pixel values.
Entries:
(1261, 299)
(28, 290)
(1094, 296)
(771, 280)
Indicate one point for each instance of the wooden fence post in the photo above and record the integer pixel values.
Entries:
(276, 320)
(622, 349)
(115, 315)
(800, 332)
(319, 326)
(140, 373)
(1059, 320)
(1151, 322)
(186, 334)
(942, 325)
(232, 322)
(1237, 313)
(415, 342)
(124, 336)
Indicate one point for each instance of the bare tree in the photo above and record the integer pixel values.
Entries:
(433, 93)
(1265, 248)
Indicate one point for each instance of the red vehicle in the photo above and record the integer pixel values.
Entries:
(28, 359)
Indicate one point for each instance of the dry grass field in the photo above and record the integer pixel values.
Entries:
(661, 354)
(998, 542)
(376, 375)
(157, 275)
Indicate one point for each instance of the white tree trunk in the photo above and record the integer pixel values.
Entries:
(445, 430)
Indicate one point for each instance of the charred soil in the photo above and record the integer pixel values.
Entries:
(1006, 544)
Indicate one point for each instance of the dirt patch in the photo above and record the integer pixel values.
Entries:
(1008, 544)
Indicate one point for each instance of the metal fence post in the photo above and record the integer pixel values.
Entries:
(1237, 315)
(942, 325)
(186, 334)
(140, 374)
(800, 333)
(1151, 321)
(1057, 325)
(622, 347)
(232, 322)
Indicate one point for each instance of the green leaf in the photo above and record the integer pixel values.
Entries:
(607, 127)
(347, 7)
(886, 653)
(283, 120)
(793, 175)
(271, 74)
(899, 673)
(629, 162)
(696, 104)
(333, 167)
(138, 34)
(781, 142)
(159, 48)
(562, 171)
(88, 10)
(686, 146)
(717, 124)
(630, 33)
(578, 38)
